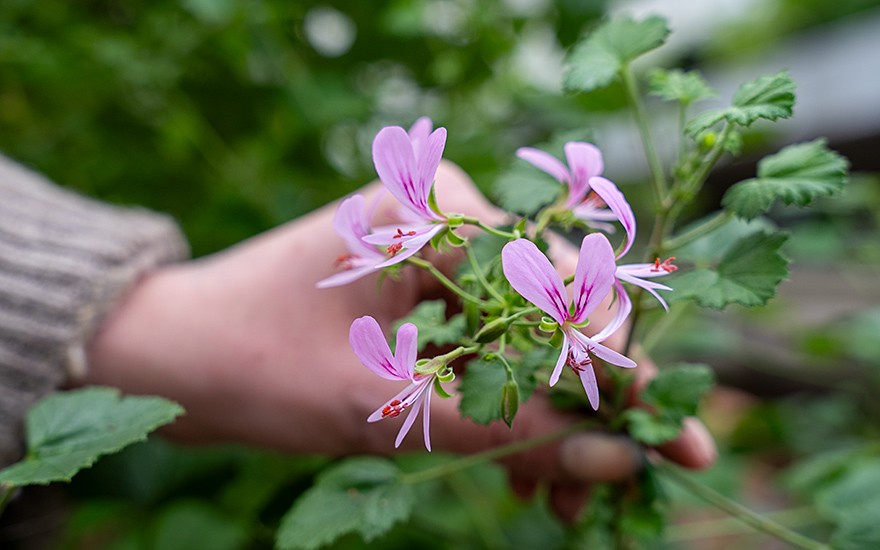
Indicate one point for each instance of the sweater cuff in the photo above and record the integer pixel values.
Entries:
(64, 261)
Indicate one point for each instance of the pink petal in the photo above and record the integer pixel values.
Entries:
(584, 162)
(615, 200)
(428, 160)
(610, 356)
(407, 348)
(419, 132)
(624, 306)
(368, 343)
(417, 399)
(395, 163)
(345, 277)
(426, 418)
(404, 396)
(351, 223)
(591, 387)
(650, 286)
(544, 162)
(387, 234)
(594, 275)
(563, 355)
(413, 244)
(530, 273)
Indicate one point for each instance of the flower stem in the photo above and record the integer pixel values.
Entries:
(638, 109)
(714, 528)
(488, 228)
(740, 512)
(478, 271)
(709, 225)
(445, 281)
(492, 454)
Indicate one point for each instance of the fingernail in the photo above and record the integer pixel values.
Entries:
(704, 444)
(599, 457)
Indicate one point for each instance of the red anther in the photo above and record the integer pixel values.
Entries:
(344, 261)
(393, 249)
(393, 409)
(666, 265)
(400, 234)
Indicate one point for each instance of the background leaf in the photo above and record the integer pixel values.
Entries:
(434, 328)
(482, 384)
(360, 495)
(677, 85)
(69, 431)
(596, 60)
(768, 97)
(672, 395)
(795, 175)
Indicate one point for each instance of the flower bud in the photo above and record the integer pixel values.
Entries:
(509, 401)
(455, 220)
(492, 330)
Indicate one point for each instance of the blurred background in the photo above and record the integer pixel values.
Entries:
(235, 117)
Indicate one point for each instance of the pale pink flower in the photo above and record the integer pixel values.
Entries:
(352, 223)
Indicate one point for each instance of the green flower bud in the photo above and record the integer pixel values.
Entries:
(492, 331)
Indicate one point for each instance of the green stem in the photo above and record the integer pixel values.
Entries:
(641, 118)
(740, 512)
(713, 528)
(478, 271)
(709, 225)
(456, 353)
(710, 160)
(445, 281)
(493, 454)
(488, 228)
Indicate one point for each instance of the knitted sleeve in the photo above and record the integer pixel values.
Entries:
(64, 261)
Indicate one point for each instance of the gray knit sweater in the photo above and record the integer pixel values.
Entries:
(64, 261)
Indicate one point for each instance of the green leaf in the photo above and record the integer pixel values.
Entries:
(597, 59)
(768, 97)
(362, 495)
(677, 85)
(483, 386)
(434, 328)
(673, 394)
(853, 503)
(69, 431)
(747, 273)
(679, 388)
(196, 525)
(795, 175)
(523, 189)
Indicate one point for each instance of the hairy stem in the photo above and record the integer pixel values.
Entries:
(478, 272)
(488, 228)
(641, 118)
(740, 512)
(445, 281)
(704, 228)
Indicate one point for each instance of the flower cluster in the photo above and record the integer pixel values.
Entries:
(406, 163)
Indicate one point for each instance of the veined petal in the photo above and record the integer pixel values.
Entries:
(410, 244)
(594, 275)
(584, 162)
(387, 234)
(368, 343)
(530, 273)
(427, 161)
(350, 222)
(544, 162)
(650, 286)
(604, 352)
(407, 348)
(615, 200)
(563, 355)
(624, 306)
(397, 167)
(419, 132)
(426, 417)
(591, 387)
(345, 277)
(417, 399)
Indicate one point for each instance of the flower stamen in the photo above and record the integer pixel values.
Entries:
(394, 248)
(393, 409)
(666, 265)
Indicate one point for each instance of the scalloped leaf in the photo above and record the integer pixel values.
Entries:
(768, 97)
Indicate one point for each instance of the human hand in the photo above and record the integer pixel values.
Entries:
(258, 355)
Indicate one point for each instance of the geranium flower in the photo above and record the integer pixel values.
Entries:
(369, 345)
(581, 176)
(352, 223)
(531, 274)
(406, 164)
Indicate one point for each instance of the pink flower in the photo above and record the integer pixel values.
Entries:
(352, 223)
(531, 274)
(369, 345)
(582, 175)
(635, 274)
(406, 164)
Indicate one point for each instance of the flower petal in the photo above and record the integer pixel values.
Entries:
(350, 222)
(419, 132)
(544, 162)
(412, 244)
(426, 418)
(610, 356)
(584, 162)
(615, 200)
(407, 348)
(624, 306)
(594, 275)
(591, 387)
(650, 286)
(345, 277)
(563, 355)
(530, 273)
(404, 396)
(427, 161)
(417, 399)
(368, 343)
(396, 165)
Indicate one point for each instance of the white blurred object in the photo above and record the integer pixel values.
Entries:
(330, 32)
